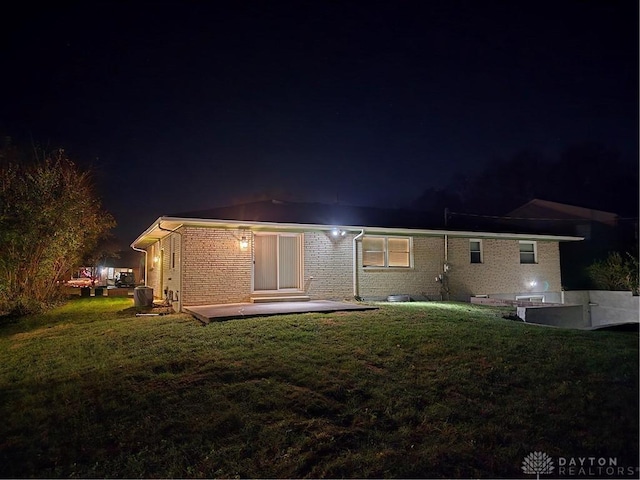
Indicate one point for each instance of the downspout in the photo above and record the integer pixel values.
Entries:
(446, 248)
(355, 264)
(175, 230)
(445, 264)
(146, 269)
(445, 267)
(145, 262)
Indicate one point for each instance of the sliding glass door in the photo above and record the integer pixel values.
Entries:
(277, 262)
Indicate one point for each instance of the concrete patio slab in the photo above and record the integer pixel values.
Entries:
(211, 313)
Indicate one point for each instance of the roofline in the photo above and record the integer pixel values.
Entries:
(256, 225)
(550, 204)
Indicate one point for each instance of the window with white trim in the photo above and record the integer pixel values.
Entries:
(173, 252)
(386, 252)
(475, 251)
(528, 252)
(530, 298)
(154, 256)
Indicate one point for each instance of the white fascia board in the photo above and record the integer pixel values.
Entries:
(155, 232)
(171, 223)
(513, 236)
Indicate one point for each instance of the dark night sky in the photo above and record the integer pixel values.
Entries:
(188, 105)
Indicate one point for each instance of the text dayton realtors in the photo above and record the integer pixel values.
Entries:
(593, 466)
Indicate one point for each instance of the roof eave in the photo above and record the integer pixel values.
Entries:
(157, 231)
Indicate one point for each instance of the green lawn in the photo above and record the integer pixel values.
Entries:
(410, 390)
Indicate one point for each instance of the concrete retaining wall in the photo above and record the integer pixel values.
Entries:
(574, 309)
(605, 307)
(567, 316)
(548, 297)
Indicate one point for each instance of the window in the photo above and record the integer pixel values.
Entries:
(475, 251)
(386, 252)
(530, 298)
(528, 252)
(173, 252)
(373, 251)
(154, 256)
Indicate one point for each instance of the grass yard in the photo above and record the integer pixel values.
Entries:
(411, 390)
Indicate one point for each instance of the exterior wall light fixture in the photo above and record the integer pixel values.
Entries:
(244, 243)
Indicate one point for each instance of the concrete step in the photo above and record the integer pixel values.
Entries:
(280, 298)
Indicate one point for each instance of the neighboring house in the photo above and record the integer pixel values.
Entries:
(603, 232)
(126, 261)
(282, 250)
(560, 217)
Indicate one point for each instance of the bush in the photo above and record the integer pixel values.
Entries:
(615, 273)
(50, 217)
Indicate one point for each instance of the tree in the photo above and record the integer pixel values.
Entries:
(50, 217)
(586, 175)
(106, 248)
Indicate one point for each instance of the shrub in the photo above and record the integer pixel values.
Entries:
(50, 217)
(616, 272)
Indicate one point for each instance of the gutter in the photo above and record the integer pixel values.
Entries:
(355, 263)
(258, 225)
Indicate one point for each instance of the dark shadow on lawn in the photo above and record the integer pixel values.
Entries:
(9, 319)
(155, 309)
(621, 327)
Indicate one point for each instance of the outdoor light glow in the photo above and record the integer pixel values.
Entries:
(244, 243)
(532, 283)
(335, 232)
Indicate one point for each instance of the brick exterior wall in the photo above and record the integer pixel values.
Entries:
(418, 282)
(153, 270)
(501, 271)
(163, 274)
(328, 273)
(216, 270)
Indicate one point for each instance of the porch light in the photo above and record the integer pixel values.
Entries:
(532, 283)
(156, 259)
(244, 243)
(338, 233)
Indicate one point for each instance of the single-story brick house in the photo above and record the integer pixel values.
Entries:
(603, 232)
(254, 251)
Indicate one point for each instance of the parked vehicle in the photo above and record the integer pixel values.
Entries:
(125, 280)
